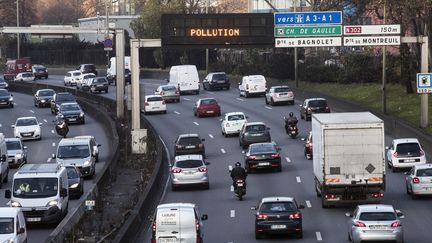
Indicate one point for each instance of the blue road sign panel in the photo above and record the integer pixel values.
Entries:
(108, 43)
(301, 18)
(424, 83)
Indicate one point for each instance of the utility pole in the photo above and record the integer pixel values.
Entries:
(295, 55)
(207, 50)
(18, 34)
(107, 27)
(384, 91)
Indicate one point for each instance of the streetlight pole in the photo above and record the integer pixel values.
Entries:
(18, 35)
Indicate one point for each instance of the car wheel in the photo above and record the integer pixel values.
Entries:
(173, 188)
(413, 196)
(164, 111)
(219, 114)
(266, 101)
(1, 181)
(394, 169)
(407, 190)
(83, 121)
(106, 91)
(299, 235)
(272, 102)
(178, 100)
(246, 94)
(11, 105)
(301, 116)
(197, 92)
(207, 187)
(349, 237)
(308, 118)
(388, 164)
(259, 236)
(6, 179)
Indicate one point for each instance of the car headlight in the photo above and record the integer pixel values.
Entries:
(43, 101)
(74, 185)
(52, 203)
(81, 114)
(18, 156)
(11, 99)
(87, 163)
(10, 240)
(15, 204)
(6, 85)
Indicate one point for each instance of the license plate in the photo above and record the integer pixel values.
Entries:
(72, 119)
(33, 219)
(283, 94)
(409, 160)
(210, 111)
(377, 227)
(155, 107)
(190, 146)
(427, 188)
(292, 132)
(3, 103)
(239, 184)
(264, 164)
(220, 82)
(100, 85)
(167, 240)
(277, 226)
(27, 134)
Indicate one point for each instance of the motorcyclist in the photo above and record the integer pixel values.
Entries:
(292, 120)
(238, 173)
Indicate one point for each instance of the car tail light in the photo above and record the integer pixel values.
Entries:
(179, 146)
(308, 145)
(296, 215)
(395, 154)
(163, 102)
(327, 108)
(176, 170)
(261, 217)
(198, 229)
(359, 224)
(153, 241)
(252, 157)
(416, 180)
(202, 169)
(377, 195)
(177, 92)
(309, 109)
(276, 155)
(330, 196)
(146, 104)
(290, 93)
(162, 93)
(200, 145)
(197, 225)
(396, 224)
(154, 227)
(422, 152)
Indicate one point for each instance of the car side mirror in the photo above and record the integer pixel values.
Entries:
(387, 147)
(63, 192)
(278, 148)
(407, 173)
(221, 119)
(303, 139)
(207, 163)
(13, 126)
(24, 147)
(203, 139)
(204, 217)
(301, 206)
(166, 80)
(8, 194)
(301, 106)
(348, 214)
(239, 83)
(268, 128)
(247, 117)
(21, 231)
(3, 158)
(399, 214)
(53, 156)
(40, 123)
(99, 145)
(254, 208)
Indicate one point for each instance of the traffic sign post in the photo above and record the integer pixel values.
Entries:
(389, 29)
(304, 18)
(424, 84)
(319, 30)
(108, 44)
(308, 42)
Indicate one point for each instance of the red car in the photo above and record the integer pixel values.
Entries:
(207, 107)
(308, 148)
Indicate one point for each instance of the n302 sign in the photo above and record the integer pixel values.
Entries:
(390, 29)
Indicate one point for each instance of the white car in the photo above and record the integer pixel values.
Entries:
(154, 103)
(405, 153)
(27, 128)
(419, 180)
(72, 77)
(12, 225)
(279, 94)
(232, 123)
(27, 77)
(84, 79)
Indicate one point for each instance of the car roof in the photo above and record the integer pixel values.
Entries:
(175, 205)
(85, 137)
(422, 166)
(74, 71)
(277, 199)
(73, 141)
(12, 139)
(261, 144)
(310, 99)
(234, 113)
(63, 93)
(280, 86)
(27, 117)
(9, 212)
(405, 140)
(376, 208)
(188, 135)
(70, 103)
(254, 123)
(188, 157)
(207, 99)
(255, 76)
(217, 73)
(45, 90)
(151, 96)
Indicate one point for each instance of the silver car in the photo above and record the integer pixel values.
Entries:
(375, 222)
(168, 93)
(189, 170)
(279, 94)
(16, 152)
(419, 180)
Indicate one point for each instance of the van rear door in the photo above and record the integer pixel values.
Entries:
(188, 232)
(168, 226)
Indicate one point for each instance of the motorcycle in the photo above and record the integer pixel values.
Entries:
(291, 128)
(61, 127)
(240, 188)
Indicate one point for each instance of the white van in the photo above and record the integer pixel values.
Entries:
(12, 225)
(177, 222)
(4, 164)
(112, 65)
(41, 191)
(252, 85)
(185, 78)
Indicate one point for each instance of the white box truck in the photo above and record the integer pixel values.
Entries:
(112, 71)
(185, 78)
(348, 157)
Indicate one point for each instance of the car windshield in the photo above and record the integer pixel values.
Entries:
(4, 93)
(282, 89)
(377, 216)
(46, 93)
(27, 75)
(70, 107)
(275, 207)
(424, 172)
(188, 164)
(317, 103)
(262, 148)
(13, 145)
(236, 117)
(100, 80)
(65, 97)
(219, 76)
(26, 122)
(88, 76)
(72, 173)
(408, 148)
(208, 102)
(189, 140)
(155, 98)
(76, 74)
(2, 80)
(6, 226)
(255, 128)
(169, 88)
(35, 187)
(73, 151)
(88, 67)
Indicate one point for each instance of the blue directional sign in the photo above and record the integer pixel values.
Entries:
(424, 83)
(302, 18)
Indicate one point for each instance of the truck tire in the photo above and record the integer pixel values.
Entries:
(6, 179)
(323, 203)
(318, 193)
(1, 181)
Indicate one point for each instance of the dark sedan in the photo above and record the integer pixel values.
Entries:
(43, 97)
(3, 84)
(254, 132)
(75, 181)
(40, 71)
(60, 98)
(278, 216)
(72, 113)
(99, 84)
(263, 156)
(189, 144)
(6, 98)
(308, 147)
(313, 105)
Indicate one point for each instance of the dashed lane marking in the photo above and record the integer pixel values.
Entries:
(298, 179)
(318, 236)
(49, 160)
(52, 131)
(230, 167)
(308, 204)
(31, 111)
(223, 151)
(53, 144)
(211, 136)
(1, 125)
(45, 120)
(196, 123)
(240, 99)
(232, 213)
(178, 113)
(268, 107)
(186, 98)
(232, 188)
(287, 160)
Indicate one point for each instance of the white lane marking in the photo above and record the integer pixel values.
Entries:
(230, 167)
(211, 136)
(178, 113)
(52, 131)
(31, 111)
(223, 151)
(308, 204)
(268, 107)
(240, 99)
(318, 236)
(186, 98)
(45, 120)
(287, 160)
(49, 160)
(53, 144)
(298, 179)
(1, 125)
(232, 188)
(196, 123)
(232, 213)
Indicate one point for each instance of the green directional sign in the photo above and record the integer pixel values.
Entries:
(318, 30)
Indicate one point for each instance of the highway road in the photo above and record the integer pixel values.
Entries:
(40, 151)
(231, 220)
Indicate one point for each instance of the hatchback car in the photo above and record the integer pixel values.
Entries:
(72, 113)
(232, 123)
(254, 132)
(60, 98)
(168, 93)
(16, 152)
(375, 222)
(43, 97)
(87, 68)
(404, 153)
(26, 77)
(6, 98)
(218, 80)
(75, 181)
(263, 156)
(278, 216)
(72, 78)
(84, 81)
(189, 170)
(189, 144)
(154, 104)
(308, 147)
(27, 128)
(419, 180)
(98, 84)
(3, 84)
(40, 71)
(279, 94)
(313, 105)
(207, 107)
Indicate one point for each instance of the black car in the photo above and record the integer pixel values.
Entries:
(43, 97)
(3, 84)
(72, 113)
(263, 156)
(128, 76)
(99, 84)
(87, 68)
(313, 105)
(189, 144)
(40, 71)
(6, 98)
(278, 216)
(60, 98)
(75, 181)
(253, 132)
(308, 147)
(217, 80)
